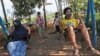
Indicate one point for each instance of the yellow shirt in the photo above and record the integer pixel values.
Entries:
(73, 21)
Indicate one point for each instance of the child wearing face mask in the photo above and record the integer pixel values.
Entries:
(69, 25)
(18, 39)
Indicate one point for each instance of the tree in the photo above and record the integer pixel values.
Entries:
(24, 7)
(78, 5)
(97, 5)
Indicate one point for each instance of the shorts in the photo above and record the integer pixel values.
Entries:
(57, 28)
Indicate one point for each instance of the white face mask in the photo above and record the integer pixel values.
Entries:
(68, 13)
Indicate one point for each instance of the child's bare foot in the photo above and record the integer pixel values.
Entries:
(76, 52)
(94, 51)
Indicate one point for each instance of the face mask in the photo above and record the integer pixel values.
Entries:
(68, 14)
(56, 16)
(17, 24)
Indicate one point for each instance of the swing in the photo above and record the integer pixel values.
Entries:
(90, 8)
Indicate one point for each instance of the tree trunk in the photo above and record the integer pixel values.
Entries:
(60, 7)
(44, 13)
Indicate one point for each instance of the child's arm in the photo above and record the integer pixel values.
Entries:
(54, 21)
(28, 29)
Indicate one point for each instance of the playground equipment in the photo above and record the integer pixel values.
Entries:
(4, 12)
(4, 28)
(90, 9)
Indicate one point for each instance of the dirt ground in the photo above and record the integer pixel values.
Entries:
(51, 46)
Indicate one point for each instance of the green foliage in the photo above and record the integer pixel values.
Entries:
(24, 7)
(98, 23)
(50, 16)
(97, 5)
(78, 5)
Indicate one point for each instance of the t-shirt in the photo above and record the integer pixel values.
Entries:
(57, 20)
(40, 21)
(66, 22)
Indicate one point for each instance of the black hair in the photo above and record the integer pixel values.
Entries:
(38, 13)
(67, 8)
(17, 23)
(56, 13)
